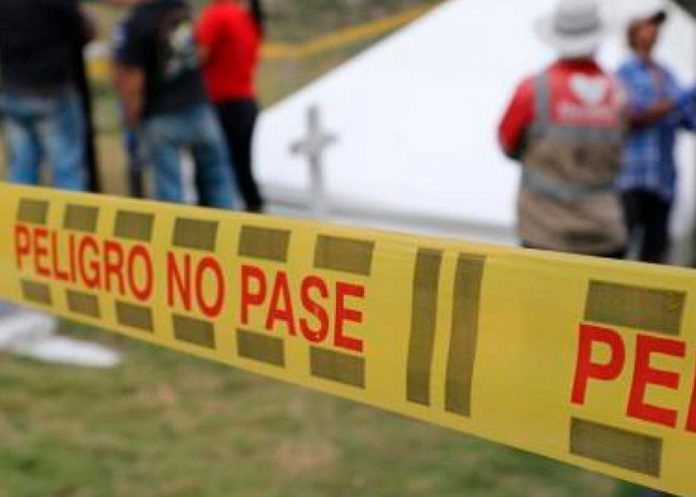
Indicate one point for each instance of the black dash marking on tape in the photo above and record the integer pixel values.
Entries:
(83, 303)
(628, 450)
(645, 309)
(337, 367)
(423, 324)
(81, 218)
(261, 348)
(38, 293)
(195, 234)
(464, 339)
(194, 331)
(344, 254)
(32, 211)
(263, 243)
(134, 226)
(135, 316)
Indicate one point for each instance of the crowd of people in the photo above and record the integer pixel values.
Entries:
(184, 86)
(598, 149)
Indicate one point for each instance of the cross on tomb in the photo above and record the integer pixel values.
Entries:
(312, 147)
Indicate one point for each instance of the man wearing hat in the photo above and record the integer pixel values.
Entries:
(658, 109)
(565, 126)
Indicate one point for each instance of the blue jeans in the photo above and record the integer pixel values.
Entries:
(165, 136)
(46, 129)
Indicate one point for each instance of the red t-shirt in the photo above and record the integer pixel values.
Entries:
(233, 40)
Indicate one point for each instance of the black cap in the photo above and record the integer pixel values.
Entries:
(659, 18)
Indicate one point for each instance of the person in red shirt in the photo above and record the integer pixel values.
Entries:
(230, 35)
(566, 126)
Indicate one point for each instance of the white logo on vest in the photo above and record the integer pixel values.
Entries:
(591, 90)
(595, 108)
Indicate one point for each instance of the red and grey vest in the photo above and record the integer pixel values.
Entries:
(568, 200)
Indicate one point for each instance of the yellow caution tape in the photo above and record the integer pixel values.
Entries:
(586, 361)
(344, 37)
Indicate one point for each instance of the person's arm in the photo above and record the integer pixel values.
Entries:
(512, 132)
(679, 107)
(259, 15)
(642, 114)
(685, 114)
(207, 32)
(687, 119)
(656, 113)
(129, 72)
(129, 82)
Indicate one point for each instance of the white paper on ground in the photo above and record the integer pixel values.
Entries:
(32, 335)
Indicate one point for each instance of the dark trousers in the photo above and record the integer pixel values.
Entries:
(91, 161)
(647, 217)
(619, 254)
(238, 120)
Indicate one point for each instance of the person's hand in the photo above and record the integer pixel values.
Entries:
(688, 97)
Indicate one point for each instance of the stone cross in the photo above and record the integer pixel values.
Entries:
(312, 147)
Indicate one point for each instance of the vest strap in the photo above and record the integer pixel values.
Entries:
(560, 190)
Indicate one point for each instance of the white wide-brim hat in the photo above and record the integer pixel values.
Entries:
(575, 29)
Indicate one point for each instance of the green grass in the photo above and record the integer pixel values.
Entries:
(167, 425)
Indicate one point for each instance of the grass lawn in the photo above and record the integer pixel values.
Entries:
(167, 425)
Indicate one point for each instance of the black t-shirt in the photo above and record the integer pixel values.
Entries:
(158, 38)
(39, 43)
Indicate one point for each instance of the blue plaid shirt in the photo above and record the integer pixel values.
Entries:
(648, 158)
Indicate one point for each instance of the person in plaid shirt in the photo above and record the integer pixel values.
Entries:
(659, 109)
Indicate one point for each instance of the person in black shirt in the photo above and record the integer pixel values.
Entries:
(91, 156)
(39, 100)
(158, 77)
